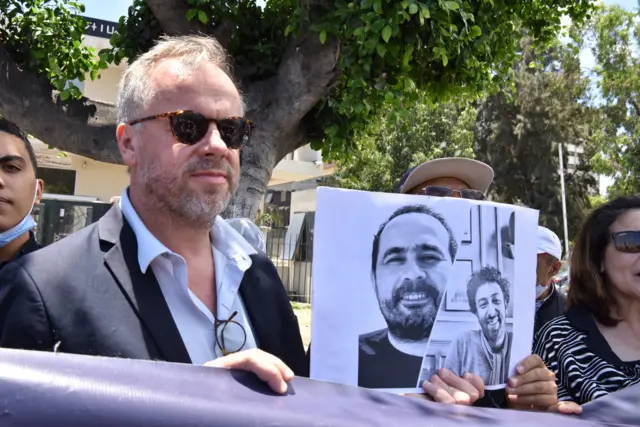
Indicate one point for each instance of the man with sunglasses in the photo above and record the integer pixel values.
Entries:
(448, 177)
(162, 276)
(533, 387)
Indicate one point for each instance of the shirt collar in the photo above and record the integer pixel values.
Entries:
(581, 319)
(226, 239)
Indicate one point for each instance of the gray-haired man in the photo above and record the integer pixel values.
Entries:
(161, 276)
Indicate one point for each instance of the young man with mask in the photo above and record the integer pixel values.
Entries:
(549, 301)
(20, 190)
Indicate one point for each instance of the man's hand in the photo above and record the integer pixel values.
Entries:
(567, 408)
(266, 366)
(446, 387)
(534, 388)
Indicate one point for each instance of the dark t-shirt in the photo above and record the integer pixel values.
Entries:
(551, 308)
(381, 365)
(31, 246)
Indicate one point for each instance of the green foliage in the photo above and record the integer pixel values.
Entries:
(385, 151)
(613, 35)
(134, 36)
(596, 201)
(45, 38)
(390, 50)
(450, 50)
(519, 138)
(252, 46)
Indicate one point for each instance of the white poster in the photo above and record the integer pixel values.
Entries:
(404, 285)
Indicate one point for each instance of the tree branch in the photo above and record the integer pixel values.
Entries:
(85, 127)
(635, 106)
(172, 17)
(223, 33)
(305, 76)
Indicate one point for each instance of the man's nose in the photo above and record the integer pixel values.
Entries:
(412, 271)
(212, 144)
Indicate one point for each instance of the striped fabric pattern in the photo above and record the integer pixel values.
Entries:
(581, 375)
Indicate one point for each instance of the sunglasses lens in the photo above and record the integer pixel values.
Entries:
(628, 241)
(437, 191)
(235, 132)
(189, 128)
(472, 194)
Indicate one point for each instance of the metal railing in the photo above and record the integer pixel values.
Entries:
(291, 252)
(292, 257)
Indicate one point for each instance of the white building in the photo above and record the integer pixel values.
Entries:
(573, 157)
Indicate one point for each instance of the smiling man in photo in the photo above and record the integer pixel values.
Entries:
(413, 252)
(485, 352)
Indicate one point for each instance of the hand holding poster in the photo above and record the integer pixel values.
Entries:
(405, 285)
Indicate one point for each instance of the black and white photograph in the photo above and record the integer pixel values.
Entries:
(404, 285)
(412, 257)
(474, 328)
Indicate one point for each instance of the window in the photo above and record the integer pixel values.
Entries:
(58, 181)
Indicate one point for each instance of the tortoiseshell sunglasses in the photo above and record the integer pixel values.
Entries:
(189, 127)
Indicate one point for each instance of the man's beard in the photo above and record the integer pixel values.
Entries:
(417, 324)
(174, 195)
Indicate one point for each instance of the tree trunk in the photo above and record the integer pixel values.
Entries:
(258, 162)
(82, 127)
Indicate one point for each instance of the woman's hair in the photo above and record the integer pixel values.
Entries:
(588, 286)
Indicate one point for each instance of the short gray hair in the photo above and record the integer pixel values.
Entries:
(135, 91)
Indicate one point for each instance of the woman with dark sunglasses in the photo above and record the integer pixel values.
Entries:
(594, 349)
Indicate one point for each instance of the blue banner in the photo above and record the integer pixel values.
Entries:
(46, 390)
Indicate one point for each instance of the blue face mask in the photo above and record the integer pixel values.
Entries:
(27, 224)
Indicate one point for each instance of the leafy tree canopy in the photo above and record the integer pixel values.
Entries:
(613, 35)
(516, 132)
(519, 135)
(386, 151)
(390, 53)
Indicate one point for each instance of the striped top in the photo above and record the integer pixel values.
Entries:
(585, 366)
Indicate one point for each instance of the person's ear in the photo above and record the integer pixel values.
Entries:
(39, 191)
(124, 134)
(557, 265)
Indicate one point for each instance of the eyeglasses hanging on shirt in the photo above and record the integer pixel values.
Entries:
(230, 335)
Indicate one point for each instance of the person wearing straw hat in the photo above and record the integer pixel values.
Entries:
(448, 177)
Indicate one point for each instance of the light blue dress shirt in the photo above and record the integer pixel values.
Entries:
(231, 259)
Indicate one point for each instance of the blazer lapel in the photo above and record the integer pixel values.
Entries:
(141, 290)
(253, 298)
